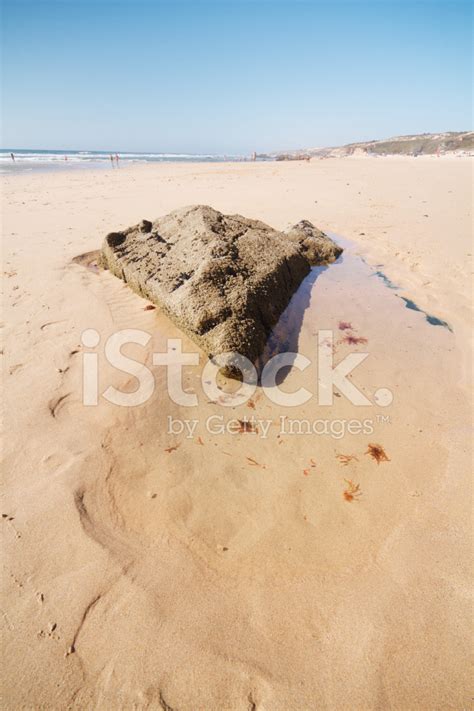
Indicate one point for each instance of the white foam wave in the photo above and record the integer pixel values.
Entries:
(87, 156)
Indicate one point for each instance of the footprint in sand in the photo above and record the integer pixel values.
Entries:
(56, 404)
(9, 521)
(15, 368)
(48, 324)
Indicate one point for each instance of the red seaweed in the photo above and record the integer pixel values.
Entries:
(346, 458)
(378, 453)
(353, 492)
(172, 449)
(246, 426)
(354, 340)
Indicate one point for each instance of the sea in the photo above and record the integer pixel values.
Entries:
(41, 160)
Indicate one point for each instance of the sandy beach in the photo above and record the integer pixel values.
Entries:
(268, 570)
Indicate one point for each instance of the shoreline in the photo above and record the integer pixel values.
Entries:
(58, 165)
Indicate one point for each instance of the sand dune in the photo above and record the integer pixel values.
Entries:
(146, 569)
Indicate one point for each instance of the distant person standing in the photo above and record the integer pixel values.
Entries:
(117, 159)
(12, 157)
(112, 160)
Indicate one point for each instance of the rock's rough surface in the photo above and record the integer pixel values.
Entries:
(223, 279)
(314, 244)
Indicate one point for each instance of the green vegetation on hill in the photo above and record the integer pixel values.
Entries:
(422, 144)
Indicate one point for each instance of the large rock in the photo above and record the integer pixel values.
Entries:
(223, 279)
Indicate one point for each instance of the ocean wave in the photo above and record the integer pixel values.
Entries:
(88, 156)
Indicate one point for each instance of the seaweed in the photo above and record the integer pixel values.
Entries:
(172, 449)
(353, 492)
(246, 426)
(354, 340)
(345, 459)
(377, 452)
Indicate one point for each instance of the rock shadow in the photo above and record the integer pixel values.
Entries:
(284, 337)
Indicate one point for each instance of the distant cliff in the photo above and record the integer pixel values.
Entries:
(421, 144)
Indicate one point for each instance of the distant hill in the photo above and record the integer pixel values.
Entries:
(421, 144)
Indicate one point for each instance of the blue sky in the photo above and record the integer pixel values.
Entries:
(231, 77)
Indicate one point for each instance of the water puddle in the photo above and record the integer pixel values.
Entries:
(284, 338)
(341, 296)
(388, 283)
(334, 289)
(375, 271)
(432, 320)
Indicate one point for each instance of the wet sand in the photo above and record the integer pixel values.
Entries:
(258, 569)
